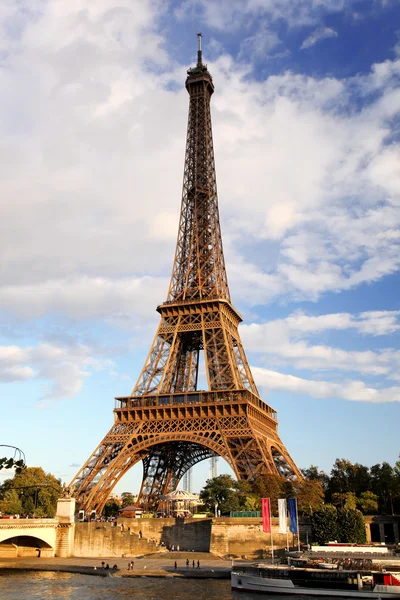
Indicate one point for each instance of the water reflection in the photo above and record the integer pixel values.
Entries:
(45, 585)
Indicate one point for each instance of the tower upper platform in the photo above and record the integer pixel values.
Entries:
(199, 72)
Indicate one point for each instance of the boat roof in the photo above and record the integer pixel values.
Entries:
(310, 569)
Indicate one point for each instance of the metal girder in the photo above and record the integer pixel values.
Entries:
(164, 467)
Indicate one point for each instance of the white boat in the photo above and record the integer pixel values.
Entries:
(324, 565)
(271, 579)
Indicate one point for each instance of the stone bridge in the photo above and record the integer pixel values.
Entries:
(39, 537)
(28, 537)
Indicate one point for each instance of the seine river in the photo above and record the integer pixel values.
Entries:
(28, 585)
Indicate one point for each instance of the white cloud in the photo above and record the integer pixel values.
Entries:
(61, 369)
(321, 33)
(96, 209)
(233, 14)
(6, 474)
(91, 157)
(371, 322)
(259, 45)
(282, 187)
(355, 391)
(86, 297)
(282, 341)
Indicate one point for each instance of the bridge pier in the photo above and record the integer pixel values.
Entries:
(66, 527)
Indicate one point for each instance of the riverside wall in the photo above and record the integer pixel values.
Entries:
(227, 537)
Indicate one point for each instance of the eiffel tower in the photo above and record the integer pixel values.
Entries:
(167, 422)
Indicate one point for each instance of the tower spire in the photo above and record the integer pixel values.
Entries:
(199, 52)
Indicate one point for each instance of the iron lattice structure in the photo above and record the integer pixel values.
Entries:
(167, 422)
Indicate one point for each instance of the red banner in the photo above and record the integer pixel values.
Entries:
(266, 515)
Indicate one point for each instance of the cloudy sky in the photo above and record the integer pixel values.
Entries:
(306, 117)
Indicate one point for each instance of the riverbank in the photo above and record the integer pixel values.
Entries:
(153, 565)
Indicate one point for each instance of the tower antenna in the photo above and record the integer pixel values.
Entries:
(199, 52)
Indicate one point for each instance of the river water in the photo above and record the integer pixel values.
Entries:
(46, 585)
(28, 585)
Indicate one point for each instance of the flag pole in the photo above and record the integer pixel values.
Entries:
(298, 529)
(272, 538)
(287, 533)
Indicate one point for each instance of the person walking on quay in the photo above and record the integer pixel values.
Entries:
(198, 564)
(187, 562)
(193, 564)
(175, 565)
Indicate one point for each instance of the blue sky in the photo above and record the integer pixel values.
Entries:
(306, 116)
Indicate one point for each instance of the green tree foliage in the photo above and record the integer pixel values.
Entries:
(37, 492)
(314, 474)
(350, 501)
(269, 487)
(351, 528)
(10, 463)
(246, 499)
(16, 462)
(220, 491)
(128, 499)
(310, 496)
(381, 480)
(324, 524)
(346, 525)
(344, 500)
(374, 490)
(111, 508)
(348, 477)
(396, 487)
(11, 504)
(385, 484)
(368, 503)
(252, 503)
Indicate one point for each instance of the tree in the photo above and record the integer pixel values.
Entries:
(11, 504)
(344, 524)
(348, 477)
(128, 499)
(324, 524)
(314, 474)
(383, 484)
(351, 528)
(111, 508)
(269, 486)
(396, 487)
(310, 496)
(221, 492)
(344, 500)
(368, 503)
(252, 503)
(37, 491)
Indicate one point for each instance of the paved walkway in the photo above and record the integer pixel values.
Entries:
(153, 565)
